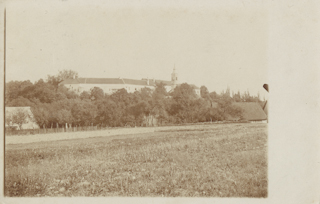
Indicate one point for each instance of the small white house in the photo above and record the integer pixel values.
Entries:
(30, 124)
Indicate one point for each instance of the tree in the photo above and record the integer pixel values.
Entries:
(227, 93)
(18, 116)
(138, 110)
(214, 96)
(258, 97)
(204, 92)
(247, 98)
(226, 108)
(160, 90)
(146, 93)
(60, 96)
(237, 97)
(41, 90)
(19, 102)
(14, 89)
(108, 113)
(84, 112)
(67, 74)
(85, 95)
(199, 110)
(214, 114)
(62, 75)
(158, 108)
(119, 96)
(184, 94)
(62, 90)
(96, 93)
(63, 116)
(183, 97)
(224, 103)
(9, 119)
(54, 80)
(41, 114)
(44, 114)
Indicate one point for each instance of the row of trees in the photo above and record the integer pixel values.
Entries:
(236, 97)
(53, 105)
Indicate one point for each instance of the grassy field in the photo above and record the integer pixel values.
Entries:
(218, 160)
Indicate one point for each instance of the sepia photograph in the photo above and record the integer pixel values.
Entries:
(159, 100)
(134, 101)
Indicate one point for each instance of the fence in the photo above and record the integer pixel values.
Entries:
(9, 132)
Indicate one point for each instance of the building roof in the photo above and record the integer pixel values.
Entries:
(93, 81)
(252, 111)
(153, 82)
(265, 108)
(143, 82)
(69, 81)
(136, 82)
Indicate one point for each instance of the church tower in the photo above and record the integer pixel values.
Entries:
(174, 78)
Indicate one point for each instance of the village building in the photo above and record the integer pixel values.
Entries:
(29, 124)
(265, 108)
(251, 112)
(111, 85)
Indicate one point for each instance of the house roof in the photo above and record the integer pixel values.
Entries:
(136, 82)
(153, 82)
(93, 81)
(100, 81)
(265, 108)
(252, 111)
(69, 81)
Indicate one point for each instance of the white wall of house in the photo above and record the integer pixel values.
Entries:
(168, 88)
(111, 88)
(197, 92)
(132, 88)
(72, 87)
(107, 88)
(30, 124)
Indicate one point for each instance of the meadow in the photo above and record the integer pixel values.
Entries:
(214, 160)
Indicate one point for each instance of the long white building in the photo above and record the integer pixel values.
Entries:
(111, 85)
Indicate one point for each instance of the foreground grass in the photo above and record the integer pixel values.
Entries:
(225, 160)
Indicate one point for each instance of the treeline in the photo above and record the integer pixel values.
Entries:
(54, 106)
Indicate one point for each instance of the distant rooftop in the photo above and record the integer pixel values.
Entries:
(252, 111)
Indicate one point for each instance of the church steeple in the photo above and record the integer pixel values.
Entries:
(174, 77)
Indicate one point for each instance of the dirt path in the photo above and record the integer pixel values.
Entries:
(74, 135)
(101, 133)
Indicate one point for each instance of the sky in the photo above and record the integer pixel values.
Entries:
(215, 46)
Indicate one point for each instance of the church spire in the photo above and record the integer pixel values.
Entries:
(174, 77)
